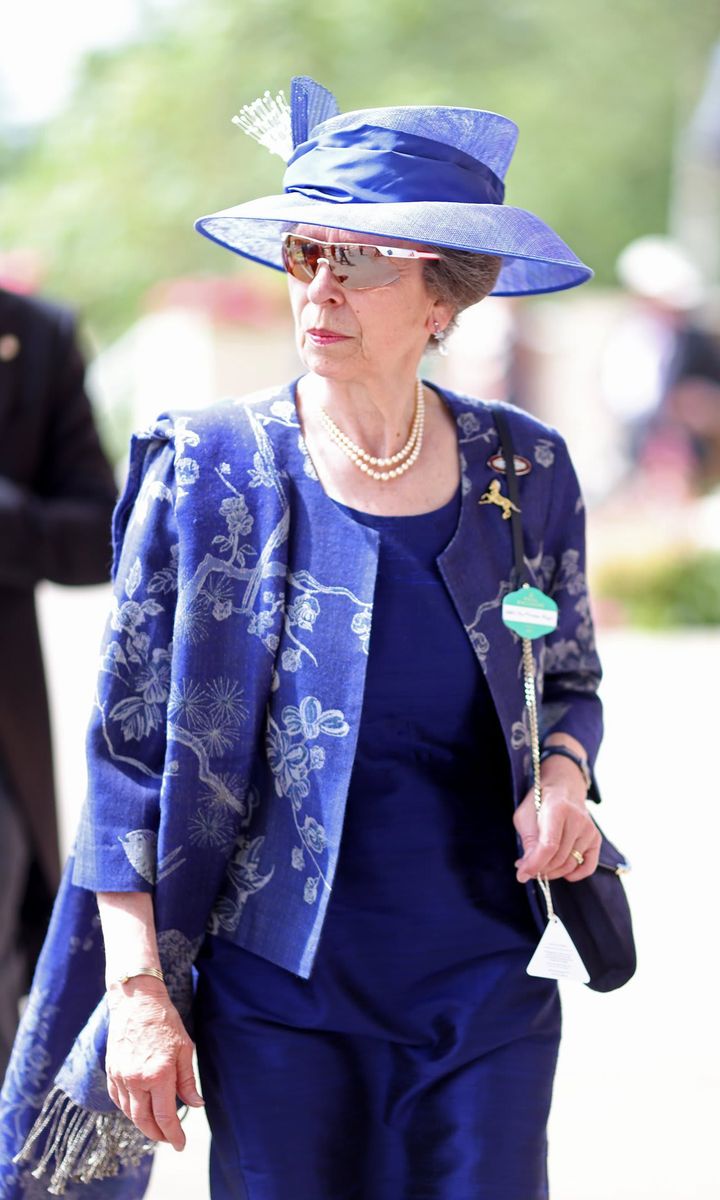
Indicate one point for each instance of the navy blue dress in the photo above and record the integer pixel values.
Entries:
(417, 1061)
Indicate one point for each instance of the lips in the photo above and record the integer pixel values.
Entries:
(325, 337)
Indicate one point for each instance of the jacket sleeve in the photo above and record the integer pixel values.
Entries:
(570, 665)
(59, 527)
(117, 840)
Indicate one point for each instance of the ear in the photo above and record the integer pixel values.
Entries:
(439, 316)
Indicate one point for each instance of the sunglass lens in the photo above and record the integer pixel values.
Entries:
(355, 267)
(301, 258)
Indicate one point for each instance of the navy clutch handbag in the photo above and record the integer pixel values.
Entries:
(595, 911)
(596, 914)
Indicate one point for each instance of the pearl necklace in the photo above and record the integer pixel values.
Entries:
(396, 464)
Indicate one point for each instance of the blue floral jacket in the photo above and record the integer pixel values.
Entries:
(228, 705)
(234, 667)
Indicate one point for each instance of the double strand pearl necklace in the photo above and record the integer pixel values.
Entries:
(396, 464)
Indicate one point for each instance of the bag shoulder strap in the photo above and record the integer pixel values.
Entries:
(523, 577)
(508, 452)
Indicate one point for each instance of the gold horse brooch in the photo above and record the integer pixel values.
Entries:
(494, 496)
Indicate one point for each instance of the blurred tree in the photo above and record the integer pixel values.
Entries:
(108, 191)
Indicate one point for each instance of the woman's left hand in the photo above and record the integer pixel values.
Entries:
(562, 825)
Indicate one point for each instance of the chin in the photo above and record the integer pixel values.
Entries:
(327, 365)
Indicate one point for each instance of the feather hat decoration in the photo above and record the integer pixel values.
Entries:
(281, 127)
(310, 105)
(267, 120)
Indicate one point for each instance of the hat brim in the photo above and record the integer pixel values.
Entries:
(535, 259)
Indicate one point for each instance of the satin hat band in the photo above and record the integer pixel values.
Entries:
(368, 164)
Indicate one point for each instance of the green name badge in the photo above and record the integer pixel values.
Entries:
(530, 612)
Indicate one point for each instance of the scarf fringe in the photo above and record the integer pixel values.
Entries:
(81, 1145)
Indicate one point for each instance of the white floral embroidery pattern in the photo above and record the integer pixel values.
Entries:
(260, 474)
(545, 452)
(239, 523)
(292, 760)
(205, 718)
(144, 670)
(465, 480)
(140, 846)
(304, 612)
(284, 410)
(245, 878)
(471, 429)
(308, 464)
(360, 625)
(480, 640)
(314, 833)
(187, 471)
(520, 732)
(177, 953)
(211, 828)
(183, 436)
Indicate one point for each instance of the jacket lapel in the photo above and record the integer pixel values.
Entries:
(477, 567)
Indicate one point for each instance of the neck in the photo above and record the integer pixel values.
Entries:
(375, 414)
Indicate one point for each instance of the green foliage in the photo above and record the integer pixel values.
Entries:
(109, 190)
(666, 593)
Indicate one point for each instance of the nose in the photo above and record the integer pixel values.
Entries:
(324, 288)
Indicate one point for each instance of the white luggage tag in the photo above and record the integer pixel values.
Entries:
(556, 956)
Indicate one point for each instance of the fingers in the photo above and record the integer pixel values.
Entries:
(576, 871)
(165, 1115)
(572, 837)
(152, 1112)
(136, 1105)
(550, 837)
(550, 849)
(141, 1115)
(583, 857)
(123, 1099)
(561, 863)
(526, 825)
(186, 1086)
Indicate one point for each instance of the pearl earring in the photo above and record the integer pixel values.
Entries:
(439, 336)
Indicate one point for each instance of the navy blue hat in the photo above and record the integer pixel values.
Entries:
(433, 175)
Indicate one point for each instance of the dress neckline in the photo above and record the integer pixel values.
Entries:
(383, 517)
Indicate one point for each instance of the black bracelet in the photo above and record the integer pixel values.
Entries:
(566, 752)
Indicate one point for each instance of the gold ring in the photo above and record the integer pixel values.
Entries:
(578, 856)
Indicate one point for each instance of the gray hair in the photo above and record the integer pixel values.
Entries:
(460, 278)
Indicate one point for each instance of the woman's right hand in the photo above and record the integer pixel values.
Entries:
(149, 1059)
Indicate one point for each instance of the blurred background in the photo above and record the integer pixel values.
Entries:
(115, 134)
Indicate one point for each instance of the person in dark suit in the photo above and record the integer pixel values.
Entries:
(57, 493)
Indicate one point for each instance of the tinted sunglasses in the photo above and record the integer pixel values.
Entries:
(353, 264)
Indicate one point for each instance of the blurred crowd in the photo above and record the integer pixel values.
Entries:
(633, 378)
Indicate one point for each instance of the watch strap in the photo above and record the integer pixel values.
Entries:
(565, 752)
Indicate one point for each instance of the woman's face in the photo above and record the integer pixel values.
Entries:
(355, 334)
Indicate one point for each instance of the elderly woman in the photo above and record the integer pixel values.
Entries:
(309, 763)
